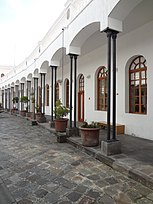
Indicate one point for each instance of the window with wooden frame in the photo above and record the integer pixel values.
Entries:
(67, 93)
(138, 86)
(102, 89)
(47, 95)
(81, 83)
(57, 91)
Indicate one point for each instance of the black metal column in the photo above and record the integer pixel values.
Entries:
(75, 87)
(12, 96)
(55, 70)
(34, 87)
(109, 33)
(114, 36)
(37, 98)
(22, 94)
(44, 93)
(3, 99)
(71, 73)
(52, 92)
(41, 82)
(17, 95)
(28, 94)
(9, 99)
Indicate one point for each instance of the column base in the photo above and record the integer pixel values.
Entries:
(40, 117)
(52, 124)
(72, 132)
(61, 137)
(111, 148)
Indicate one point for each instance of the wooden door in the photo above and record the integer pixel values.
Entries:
(81, 99)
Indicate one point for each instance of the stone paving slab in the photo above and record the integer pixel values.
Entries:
(36, 169)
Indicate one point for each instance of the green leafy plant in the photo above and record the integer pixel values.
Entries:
(15, 99)
(90, 125)
(60, 110)
(24, 99)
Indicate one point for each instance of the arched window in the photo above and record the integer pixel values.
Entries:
(81, 83)
(67, 93)
(138, 86)
(57, 90)
(102, 89)
(47, 95)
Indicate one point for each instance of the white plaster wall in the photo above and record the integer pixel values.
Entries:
(137, 42)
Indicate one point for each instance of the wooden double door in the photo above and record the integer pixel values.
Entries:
(81, 99)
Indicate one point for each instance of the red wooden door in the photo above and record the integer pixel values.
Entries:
(81, 99)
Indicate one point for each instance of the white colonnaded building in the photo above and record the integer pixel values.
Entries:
(98, 55)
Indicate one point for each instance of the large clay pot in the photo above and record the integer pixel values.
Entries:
(90, 136)
(23, 113)
(61, 124)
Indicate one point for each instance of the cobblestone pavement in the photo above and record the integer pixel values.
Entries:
(36, 169)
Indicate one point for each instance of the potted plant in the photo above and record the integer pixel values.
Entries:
(40, 117)
(24, 99)
(90, 134)
(60, 112)
(15, 100)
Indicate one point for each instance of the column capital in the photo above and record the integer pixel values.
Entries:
(114, 34)
(110, 32)
(53, 66)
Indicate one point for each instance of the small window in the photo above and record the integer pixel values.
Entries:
(81, 83)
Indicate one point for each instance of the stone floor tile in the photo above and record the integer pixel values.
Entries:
(42, 171)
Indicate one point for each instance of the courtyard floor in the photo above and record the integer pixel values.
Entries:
(34, 168)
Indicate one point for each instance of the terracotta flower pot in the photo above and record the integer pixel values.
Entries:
(61, 124)
(90, 136)
(23, 113)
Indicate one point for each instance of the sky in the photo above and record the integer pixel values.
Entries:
(23, 23)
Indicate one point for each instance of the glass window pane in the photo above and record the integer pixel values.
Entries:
(132, 102)
(132, 92)
(143, 74)
(143, 92)
(136, 61)
(132, 82)
(136, 83)
(132, 76)
(136, 108)
(137, 100)
(132, 66)
(132, 109)
(143, 82)
(137, 92)
(137, 75)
